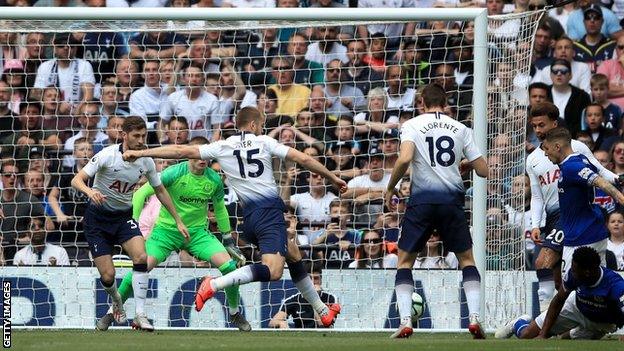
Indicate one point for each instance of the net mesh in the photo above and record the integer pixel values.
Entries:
(345, 108)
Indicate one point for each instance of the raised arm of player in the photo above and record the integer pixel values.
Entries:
(79, 182)
(169, 152)
(406, 154)
(610, 189)
(165, 200)
(313, 165)
(138, 199)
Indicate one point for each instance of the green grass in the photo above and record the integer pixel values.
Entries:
(118, 340)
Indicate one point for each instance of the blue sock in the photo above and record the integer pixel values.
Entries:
(519, 327)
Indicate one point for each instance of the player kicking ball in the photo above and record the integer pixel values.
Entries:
(192, 185)
(434, 145)
(589, 305)
(108, 217)
(246, 159)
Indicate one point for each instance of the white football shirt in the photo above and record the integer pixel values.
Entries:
(544, 176)
(200, 113)
(441, 143)
(246, 160)
(116, 178)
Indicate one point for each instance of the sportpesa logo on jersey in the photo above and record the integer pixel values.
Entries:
(193, 200)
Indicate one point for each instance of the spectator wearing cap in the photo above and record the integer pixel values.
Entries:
(367, 190)
(356, 72)
(73, 76)
(377, 117)
(343, 160)
(88, 117)
(575, 28)
(613, 69)
(570, 100)
(38, 252)
(326, 48)
(342, 99)
(291, 97)
(581, 73)
(594, 47)
(389, 146)
(13, 75)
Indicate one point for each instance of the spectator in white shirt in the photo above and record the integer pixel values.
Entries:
(581, 73)
(199, 107)
(399, 95)
(38, 252)
(88, 117)
(73, 76)
(148, 101)
(615, 244)
(326, 48)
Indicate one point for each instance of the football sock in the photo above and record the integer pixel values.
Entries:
(303, 282)
(519, 327)
(140, 279)
(111, 289)
(252, 273)
(125, 288)
(232, 292)
(471, 281)
(546, 287)
(404, 287)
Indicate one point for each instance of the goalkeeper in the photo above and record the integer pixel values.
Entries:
(192, 185)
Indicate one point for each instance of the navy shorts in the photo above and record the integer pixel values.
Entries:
(104, 229)
(552, 234)
(420, 220)
(266, 228)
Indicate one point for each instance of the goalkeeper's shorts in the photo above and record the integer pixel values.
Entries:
(202, 244)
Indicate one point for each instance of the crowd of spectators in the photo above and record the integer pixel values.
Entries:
(337, 93)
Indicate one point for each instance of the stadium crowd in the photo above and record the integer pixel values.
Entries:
(339, 94)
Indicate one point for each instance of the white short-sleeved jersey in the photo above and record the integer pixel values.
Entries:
(200, 113)
(544, 176)
(440, 142)
(116, 178)
(246, 159)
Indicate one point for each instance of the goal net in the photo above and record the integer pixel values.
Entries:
(337, 90)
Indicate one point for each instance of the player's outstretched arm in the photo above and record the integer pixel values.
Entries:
(79, 182)
(480, 167)
(313, 165)
(610, 189)
(168, 152)
(406, 154)
(165, 200)
(138, 200)
(554, 309)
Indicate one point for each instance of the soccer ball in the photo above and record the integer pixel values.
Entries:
(418, 306)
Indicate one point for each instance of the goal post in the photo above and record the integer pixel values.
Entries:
(495, 281)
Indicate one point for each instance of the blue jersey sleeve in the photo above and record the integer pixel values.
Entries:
(582, 173)
(568, 282)
(617, 294)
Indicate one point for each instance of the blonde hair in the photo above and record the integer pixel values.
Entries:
(378, 92)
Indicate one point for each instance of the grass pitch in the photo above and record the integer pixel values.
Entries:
(67, 340)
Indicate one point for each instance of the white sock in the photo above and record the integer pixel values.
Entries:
(233, 311)
(240, 276)
(545, 293)
(306, 287)
(404, 302)
(472, 289)
(114, 294)
(139, 287)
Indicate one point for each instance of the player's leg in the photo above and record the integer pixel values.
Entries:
(569, 318)
(135, 247)
(549, 257)
(304, 284)
(415, 231)
(106, 269)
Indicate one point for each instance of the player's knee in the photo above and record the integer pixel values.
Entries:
(276, 271)
(140, 258)
(108, 276)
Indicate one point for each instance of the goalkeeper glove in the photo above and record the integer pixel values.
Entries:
(232, 249)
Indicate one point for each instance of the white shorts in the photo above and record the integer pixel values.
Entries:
(572, 320)
(568, 251)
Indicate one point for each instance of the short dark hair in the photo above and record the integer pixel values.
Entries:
(433, 95)
(180, 119)
(7, 163)
(246, 115)
(586, 257)
(547, 109)
(133, 123)
(25, 105)
(558, 134)
(199, 140)
(539, 85)
(595, 105)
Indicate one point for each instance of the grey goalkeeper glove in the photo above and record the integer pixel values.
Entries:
(232, 249)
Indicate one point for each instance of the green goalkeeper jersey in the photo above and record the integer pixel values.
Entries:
(190, 194)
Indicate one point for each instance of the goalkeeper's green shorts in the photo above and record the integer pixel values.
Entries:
(202, 244)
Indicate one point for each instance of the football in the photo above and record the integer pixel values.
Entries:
(418, 306)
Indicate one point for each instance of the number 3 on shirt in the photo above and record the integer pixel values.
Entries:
(250, 160)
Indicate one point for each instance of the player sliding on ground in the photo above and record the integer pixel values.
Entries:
(108, 218)
(434, 143)
(192, 185)
(246, 160)
(589, 304)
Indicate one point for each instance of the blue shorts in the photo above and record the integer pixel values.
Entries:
(104, 229)
(266, 228)
(420, 220)
(552, 233)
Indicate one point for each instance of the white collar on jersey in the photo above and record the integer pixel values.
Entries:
(599, 279)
